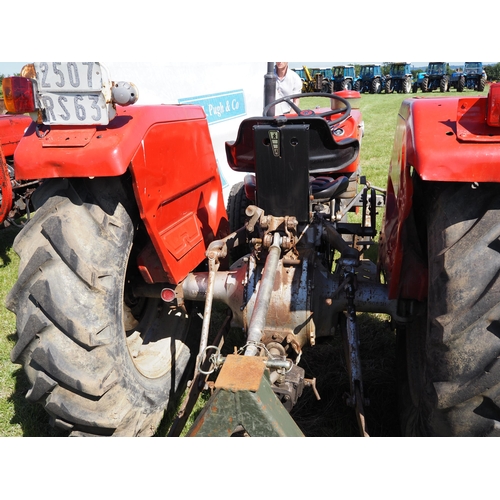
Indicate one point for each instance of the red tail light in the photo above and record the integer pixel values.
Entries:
(18, 93)
(168, 295)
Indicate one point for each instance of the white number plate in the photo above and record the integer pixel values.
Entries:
(72, 93)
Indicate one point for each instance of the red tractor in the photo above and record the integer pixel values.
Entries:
(130, 237)
(14, 194)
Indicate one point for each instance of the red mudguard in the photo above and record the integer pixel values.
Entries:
(442, 139)
(175, 178)
(12, 128)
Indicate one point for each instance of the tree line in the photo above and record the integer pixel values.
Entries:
(493, 72)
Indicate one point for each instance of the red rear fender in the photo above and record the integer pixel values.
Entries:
(445, 140)
(169, 152)
(98, 151)
(12, 129)
(450, 140)
(179, 194)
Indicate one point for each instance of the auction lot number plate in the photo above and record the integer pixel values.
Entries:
(72, 93)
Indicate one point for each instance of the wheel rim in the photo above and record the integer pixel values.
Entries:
(149, 338)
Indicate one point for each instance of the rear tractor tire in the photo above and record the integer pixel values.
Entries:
(444, 84)
(347, 84)
(237, 203)
(407, 85)
(388, 88)
(451, 348)
(100, 361)
(376, 86)
(425, 85)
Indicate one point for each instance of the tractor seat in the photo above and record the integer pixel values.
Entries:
(283, 153)
(324, 154)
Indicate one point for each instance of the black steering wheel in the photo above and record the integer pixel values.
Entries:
(346, 110)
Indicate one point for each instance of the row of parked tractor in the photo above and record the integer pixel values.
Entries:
(400, 78)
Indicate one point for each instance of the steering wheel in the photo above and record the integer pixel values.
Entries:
(346, 110)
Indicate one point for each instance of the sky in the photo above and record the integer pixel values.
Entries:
(10, 68)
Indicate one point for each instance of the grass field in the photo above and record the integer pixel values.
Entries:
(327, 417)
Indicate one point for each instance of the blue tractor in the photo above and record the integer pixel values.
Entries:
(436, 76)
(370, 79)
(457, 81)
(399, 79)
(342, 78)
(475, 76)
(417, 84)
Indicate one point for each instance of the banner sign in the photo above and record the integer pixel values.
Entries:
(219, 107)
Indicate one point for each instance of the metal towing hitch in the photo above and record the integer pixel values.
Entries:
(284, 298)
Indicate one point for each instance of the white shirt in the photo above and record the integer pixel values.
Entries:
(290, 84)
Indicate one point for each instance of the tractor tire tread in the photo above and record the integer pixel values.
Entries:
(457, 383)
(67, 301)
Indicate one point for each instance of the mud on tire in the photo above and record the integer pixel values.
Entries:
(451, 348)
(100, 361)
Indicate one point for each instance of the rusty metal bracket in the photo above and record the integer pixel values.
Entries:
(244, 399)
(356, 398)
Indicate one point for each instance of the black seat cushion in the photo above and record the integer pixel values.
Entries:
(325, 154)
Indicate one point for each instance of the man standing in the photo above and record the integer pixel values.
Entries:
(287, 83)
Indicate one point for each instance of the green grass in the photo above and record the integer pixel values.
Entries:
(327, 417)
(18, 417)
(8, 273)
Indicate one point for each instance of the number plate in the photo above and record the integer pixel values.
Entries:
(72, 93)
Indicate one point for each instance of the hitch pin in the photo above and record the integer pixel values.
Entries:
(215, 250)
